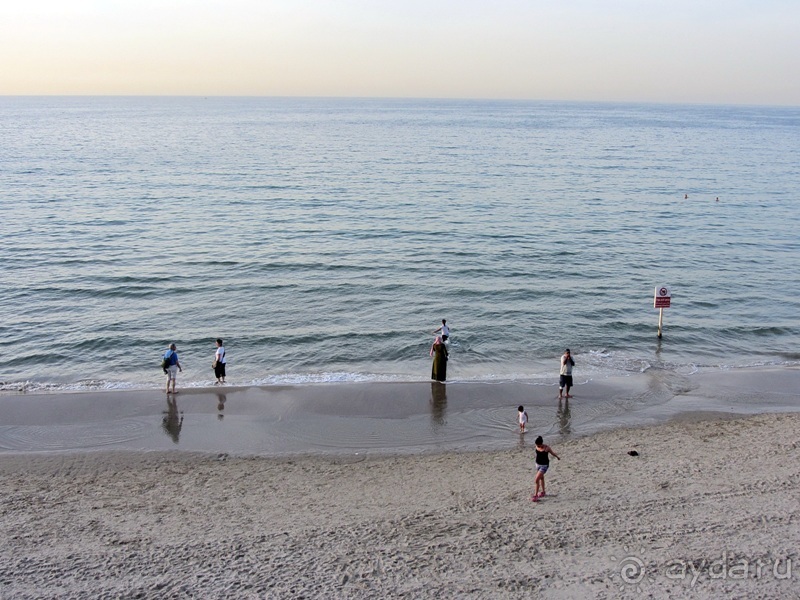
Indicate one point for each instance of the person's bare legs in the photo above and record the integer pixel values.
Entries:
(538, 481)
(171, 378)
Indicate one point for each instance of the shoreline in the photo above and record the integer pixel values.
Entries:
(376, 418)
(666, 523)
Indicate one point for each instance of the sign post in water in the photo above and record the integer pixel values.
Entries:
(661, 300)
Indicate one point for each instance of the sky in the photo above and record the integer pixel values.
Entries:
(672, 51)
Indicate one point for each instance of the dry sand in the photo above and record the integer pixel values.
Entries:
(707, 510)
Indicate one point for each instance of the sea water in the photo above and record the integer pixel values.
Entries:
(325, 239)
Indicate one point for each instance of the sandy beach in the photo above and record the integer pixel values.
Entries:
(706, 510)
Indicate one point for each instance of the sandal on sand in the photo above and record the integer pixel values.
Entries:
(535, 498)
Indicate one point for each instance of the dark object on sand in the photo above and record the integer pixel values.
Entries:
(633, 453)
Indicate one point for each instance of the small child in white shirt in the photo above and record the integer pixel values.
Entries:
(523, 419)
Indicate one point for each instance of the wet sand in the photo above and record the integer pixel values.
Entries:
(376, 418)
(707, 510)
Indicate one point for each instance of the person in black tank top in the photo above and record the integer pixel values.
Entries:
(542, 457)
(543, 453)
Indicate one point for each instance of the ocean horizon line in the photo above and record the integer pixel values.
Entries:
(455, 99)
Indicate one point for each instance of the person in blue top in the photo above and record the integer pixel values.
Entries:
(174, 365)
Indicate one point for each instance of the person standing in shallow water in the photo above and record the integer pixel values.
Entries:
(439, 354)
(565, 376)
(523, 418)
(173, 366)
(444, 330)
(219, 362)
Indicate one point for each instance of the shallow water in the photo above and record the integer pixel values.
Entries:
(325, 239)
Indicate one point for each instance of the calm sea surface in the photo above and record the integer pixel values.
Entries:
(325, 240)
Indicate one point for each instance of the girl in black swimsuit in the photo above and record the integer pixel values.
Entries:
(543, 453)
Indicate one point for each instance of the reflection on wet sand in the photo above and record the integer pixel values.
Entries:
(221, 399)
(564, 418)
(438, 403)
(521, 443)
(172, 421)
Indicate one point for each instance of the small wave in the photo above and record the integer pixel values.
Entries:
(612, 362)
(331, 377)
(591, 365)
(34, 387)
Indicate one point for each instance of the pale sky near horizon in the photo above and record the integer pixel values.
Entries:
(693, 51)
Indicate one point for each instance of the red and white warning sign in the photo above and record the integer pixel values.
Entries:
(662, 297)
